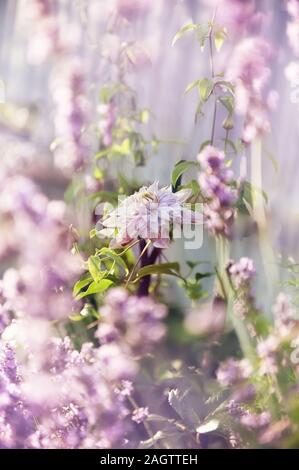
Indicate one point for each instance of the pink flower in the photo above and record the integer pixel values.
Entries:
(107, 121)
(130, 9)
(148, 214)
(292, 7)
(284, 314)
(233, 371)
(140, 414)
(242, 272)
(292, 72)
(256, 421)
(248, 69)
(293, 36)
(239, 16)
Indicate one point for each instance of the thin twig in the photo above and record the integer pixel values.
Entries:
(138, 259)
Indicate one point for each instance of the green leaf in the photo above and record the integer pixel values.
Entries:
(108, 91)
(219, 38)
(228, 103)
(81, 284)
(204, 144)
(124, 148)
(249, 194)
(205, 88)
(115, 257)
(202, 33)
(272, 159)
(166, 268)
(194, 186)
(105, 196)
(102, 153)
(199, 276)
(231, 144)
(96, 288)
(77, 317)
(93, 233)
(192, 264)
(183, 30)
(228, 85)
(94, 267)
(144, 116)
(179, 170)
(192, 85)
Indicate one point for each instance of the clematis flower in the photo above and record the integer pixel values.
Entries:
(148, 214)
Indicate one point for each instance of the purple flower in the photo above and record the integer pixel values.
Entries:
(232, 371)
(239, 16)
(45, 39)
(244, 394)
(293, 26)
(126, 388)
(284, 315)
(266, 350)
(215, 181)
(242, 272)
(256, 421)
(140, 414)
(68, 91)
(131, 9)
(107, 121)
(249, 70)
(40, 230)
(235, 409)
(132, 321)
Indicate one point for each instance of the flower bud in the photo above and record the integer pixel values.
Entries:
(228, 123)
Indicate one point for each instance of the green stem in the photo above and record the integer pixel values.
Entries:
(213, 75)
(222, 251)
(145, 424)
(138, 259)
(226, 140)
(214, 121)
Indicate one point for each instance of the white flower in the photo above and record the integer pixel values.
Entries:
(148, 214)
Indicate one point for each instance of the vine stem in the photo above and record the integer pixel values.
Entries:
(213, 75)
(146, 280)
(214, 121)
(143, 251)
(226, 140)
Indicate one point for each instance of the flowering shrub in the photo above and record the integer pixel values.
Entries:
(110, 335)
